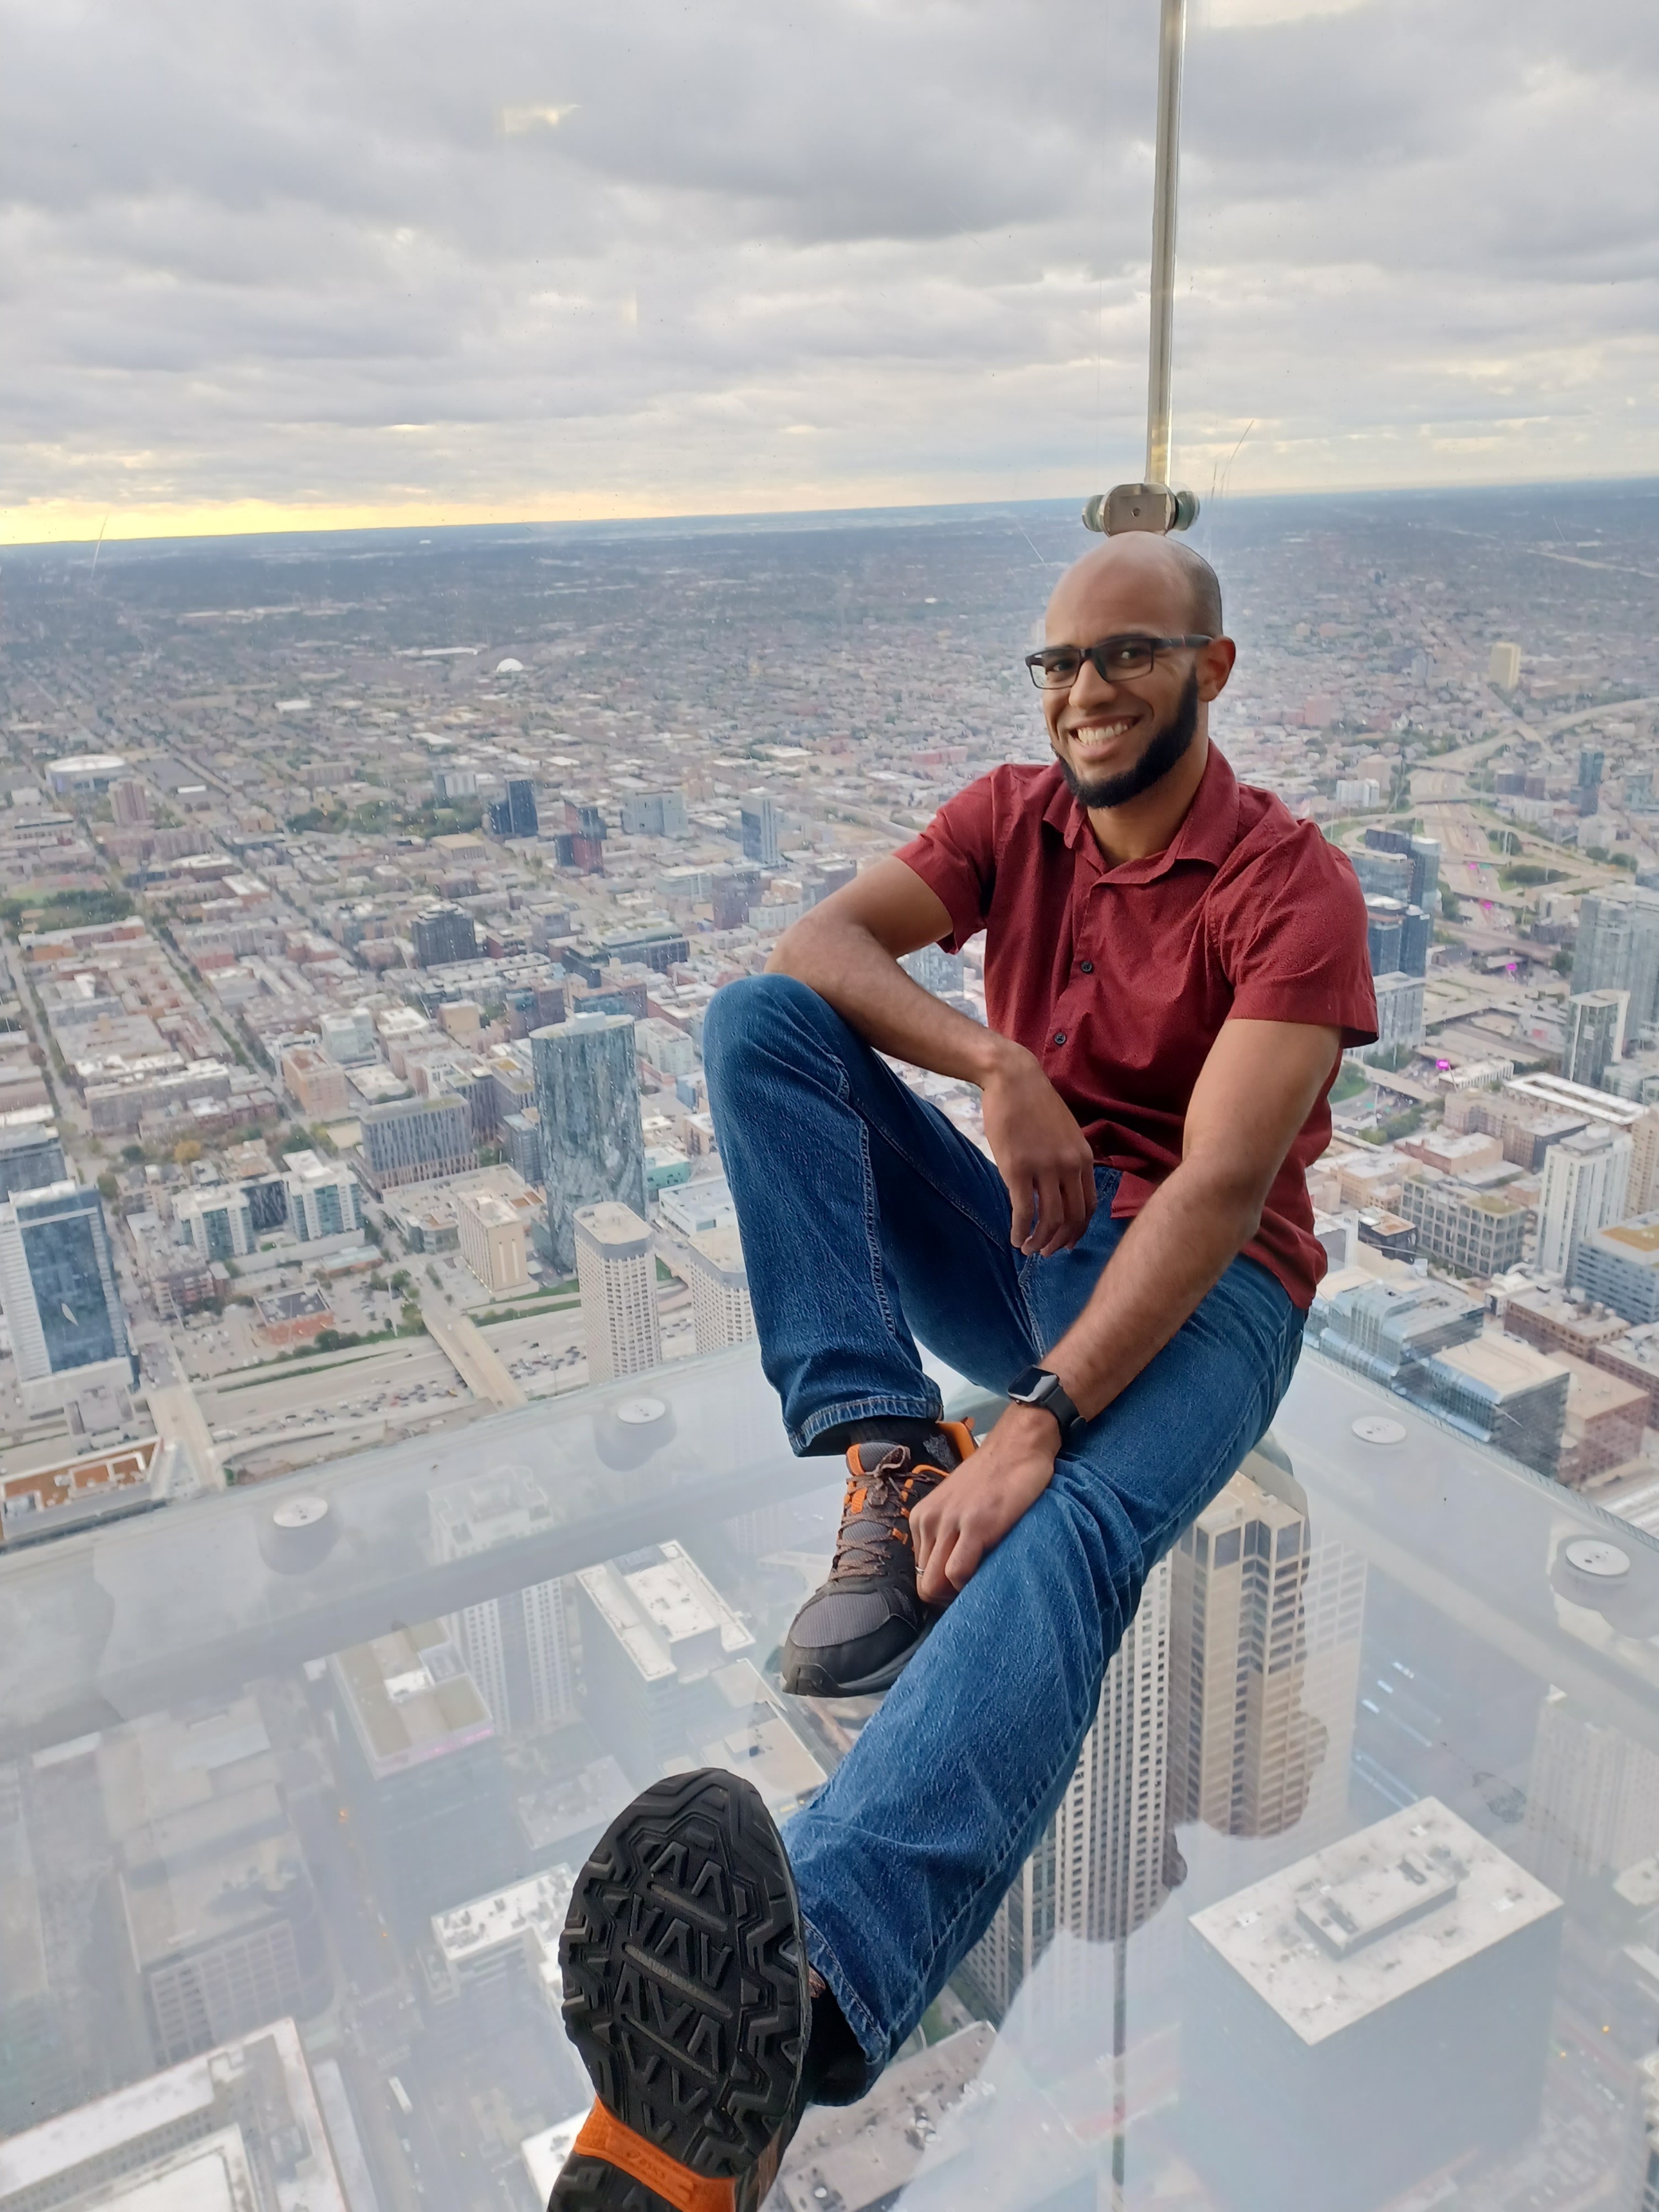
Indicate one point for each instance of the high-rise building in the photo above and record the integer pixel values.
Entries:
(1503, 665)
(763, 828)
(240, 2127)
(129, 803)
(315, 1083)
(587, 1098)
(1264, 1662)
(1481, 1231)
(1500, 1391)
(30, 1159)
(935, 969)
(721, 1314)
(421, 1764)
(616, 1270)
(653, 814)
(1107, 1860)
(323, 1197)
(1586, 1183)
(1592, 1797)
(517, 1647)
(1399, 1016)
(1398, 938)
(443, 934)
(1595, 1034)
(218, 1220)
(348, 1038)
(1414, 1954)
(216, 1904)
(59, 1293)
(1617, 950)
(1382, 1328)
(492, 1241)
(523, 820)
(657, 1640)
(417, 1140)
(1618, 1266)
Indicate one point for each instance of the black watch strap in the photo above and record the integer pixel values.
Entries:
(1038, 1387)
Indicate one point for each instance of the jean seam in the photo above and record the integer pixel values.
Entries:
(822, 1955)
(886, 1407)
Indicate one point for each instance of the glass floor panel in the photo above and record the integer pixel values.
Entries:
(1353, 1901)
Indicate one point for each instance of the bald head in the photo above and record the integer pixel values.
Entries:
(1176, 587)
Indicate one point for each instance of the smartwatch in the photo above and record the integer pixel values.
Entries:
(1038, 1387)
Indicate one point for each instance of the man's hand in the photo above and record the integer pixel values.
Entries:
(1041, 1154)
(968, 1514)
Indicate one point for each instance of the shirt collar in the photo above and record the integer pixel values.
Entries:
(1208, 830)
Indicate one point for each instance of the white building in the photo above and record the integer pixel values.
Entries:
(689, 1208)
(1586, 1183)
(348, 1036)
(181, 2138)
(1503, 665)
(1413, 1954)
(1363, 792)
(663, 1047)
(616, 1273)
(217, 1219)
(721, 1314)
(514, 1932)
(323, 1197)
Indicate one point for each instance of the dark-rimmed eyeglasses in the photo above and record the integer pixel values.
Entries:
(1116, 660)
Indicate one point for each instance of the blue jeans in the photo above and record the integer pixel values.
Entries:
(869, 1221)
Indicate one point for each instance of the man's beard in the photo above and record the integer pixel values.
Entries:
(1164, 749)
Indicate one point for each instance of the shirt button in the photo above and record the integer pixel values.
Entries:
(1087, 966)
(1059, 1037)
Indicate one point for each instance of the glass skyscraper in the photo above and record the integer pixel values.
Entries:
(57, 1282)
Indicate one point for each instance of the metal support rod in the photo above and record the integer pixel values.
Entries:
(1171, 48)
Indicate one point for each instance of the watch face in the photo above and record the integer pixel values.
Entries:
(1033, 1385)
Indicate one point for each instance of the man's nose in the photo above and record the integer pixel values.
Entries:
(1091, 689)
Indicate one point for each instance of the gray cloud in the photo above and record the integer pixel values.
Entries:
(885, 249)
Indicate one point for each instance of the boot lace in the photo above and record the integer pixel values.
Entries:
(873, 1522)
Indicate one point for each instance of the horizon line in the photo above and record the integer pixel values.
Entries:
(237, 519)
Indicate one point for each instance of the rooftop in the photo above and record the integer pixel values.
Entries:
(1337, 1936)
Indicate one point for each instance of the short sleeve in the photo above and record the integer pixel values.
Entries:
(955, 857)
(1290, 924)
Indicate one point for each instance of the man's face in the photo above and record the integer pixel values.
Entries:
(1115, 739)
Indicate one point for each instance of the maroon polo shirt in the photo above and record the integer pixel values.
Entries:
(1119, 978)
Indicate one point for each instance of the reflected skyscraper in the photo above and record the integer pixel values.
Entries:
(516, 1648)
(1264, 1662)
(1107, 1859)
(1592, 1797)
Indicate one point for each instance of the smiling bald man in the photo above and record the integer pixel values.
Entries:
(1173, 966)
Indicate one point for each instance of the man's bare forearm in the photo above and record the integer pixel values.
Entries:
(855, 972)
(1173, 1253)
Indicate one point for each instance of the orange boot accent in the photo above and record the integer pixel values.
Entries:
(603, 2135)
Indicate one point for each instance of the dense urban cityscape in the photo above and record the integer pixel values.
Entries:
(362, 899)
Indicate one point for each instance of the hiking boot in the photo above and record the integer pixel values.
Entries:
(857, 1633)
(686, 1995)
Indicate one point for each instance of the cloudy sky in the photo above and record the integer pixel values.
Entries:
(344, 261)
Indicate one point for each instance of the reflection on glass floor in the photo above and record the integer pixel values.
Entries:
(1353, 1901)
